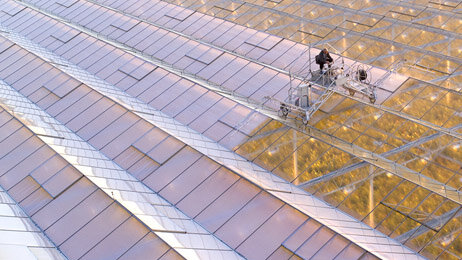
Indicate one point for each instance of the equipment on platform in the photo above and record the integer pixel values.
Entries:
(359, 82)
(310, 89)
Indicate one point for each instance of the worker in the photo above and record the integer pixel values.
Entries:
(322, 58)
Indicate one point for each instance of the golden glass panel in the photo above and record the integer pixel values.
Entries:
(223, 14)
(448, 163)
(357, 5)
(344, 43)
(416, 208)
(455, 120)
(432, 93)
(439, 173)
(403, 157)
(327, 125)
(446, 5)
(438, 115)
(432, 251)
(304, 38)
(258, 18)
(334, 21)
(322, 31)
(352, 17)
(417, 242)
(244, 18)
(436, 143)
(306, 154)
(388, 122)
(228, 5)
(453, 24)
(447, 237)
(243, 9)
(422, 73)
(405, 10)
(354, 195)
(377, 135)
(382, 24)
(333, 159)
(405, 226)
(380, 9)
(268, 22)
(448, 255)
(314, 13)
(384, 148)
(386, 62)
(287, 31)
(256, 2)
(355, 122)
(344, 114)
(375, 49)
(270, 4)
(284, 22)
(435, 21)
(370, 21)
(335, 198)
(347, 134)
(453, 151)
(428, 61)
(447, 66)
(213, 11)
(295, 6)
(418, 151)
(418, 107)
(410, 34)
(283, 4)
(367, 142)
(281, 149)
(445, 208)
(410, 131)
(427, 37)
(334, 34)
(356, 49)
(400, 192)
(311, 39)
(442, 47)
(307, 27)
(363, 4)
(206, 8)
(357, 27)
(452, 100)
(262, 139)
(452, 83)
(416, 163)
(401, 17)
(390, 219)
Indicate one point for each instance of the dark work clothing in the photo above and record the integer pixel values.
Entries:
(323, 59)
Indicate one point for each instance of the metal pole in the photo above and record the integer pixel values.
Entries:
(371, 197)
(309, 56)
(295, 156)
